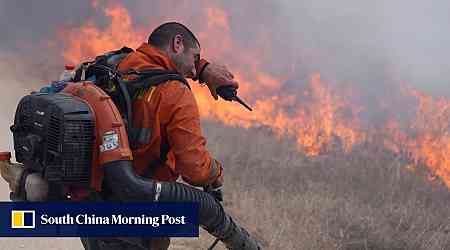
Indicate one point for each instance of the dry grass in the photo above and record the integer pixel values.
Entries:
(362, 200)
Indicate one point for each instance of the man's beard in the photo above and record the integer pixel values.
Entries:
(180, 66)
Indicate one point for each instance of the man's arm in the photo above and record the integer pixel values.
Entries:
(193, 161)
(214, 76)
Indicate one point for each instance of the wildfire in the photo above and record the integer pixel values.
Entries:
(320, 117)
(88, 41)
(431, 143)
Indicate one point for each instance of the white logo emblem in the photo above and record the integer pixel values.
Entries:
(110, 141)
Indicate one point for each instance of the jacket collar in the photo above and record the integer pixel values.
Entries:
(156, 56)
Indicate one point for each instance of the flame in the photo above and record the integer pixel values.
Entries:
(88, 41)
(431, 145)
(322, 119)
(427, 140)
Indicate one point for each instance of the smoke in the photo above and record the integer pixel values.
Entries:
(26, 26)
(369, 41)
(366, 43)
(370, 46)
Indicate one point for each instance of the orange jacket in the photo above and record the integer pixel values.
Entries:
(169, 115)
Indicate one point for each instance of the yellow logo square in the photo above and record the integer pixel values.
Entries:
(22, 219)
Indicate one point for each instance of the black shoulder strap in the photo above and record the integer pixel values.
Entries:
(145, 80)
(149, 78)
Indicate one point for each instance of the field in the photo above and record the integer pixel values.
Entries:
(362, 200)
(365, 199)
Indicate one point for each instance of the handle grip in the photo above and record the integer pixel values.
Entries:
(229, 93)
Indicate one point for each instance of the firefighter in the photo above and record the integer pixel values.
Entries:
(169, 116)
(170, 111)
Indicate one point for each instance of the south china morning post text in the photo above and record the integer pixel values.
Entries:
(99, 219)
(114, 219)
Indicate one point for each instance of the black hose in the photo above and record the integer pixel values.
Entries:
(212, 216)
(125, 185)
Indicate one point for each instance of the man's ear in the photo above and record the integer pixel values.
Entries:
(177, 44)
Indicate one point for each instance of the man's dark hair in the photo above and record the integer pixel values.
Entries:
(162, 35)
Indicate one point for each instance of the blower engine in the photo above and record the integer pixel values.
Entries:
(54, 136)
(61, 140)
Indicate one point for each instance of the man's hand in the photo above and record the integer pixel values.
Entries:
(215, 76)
